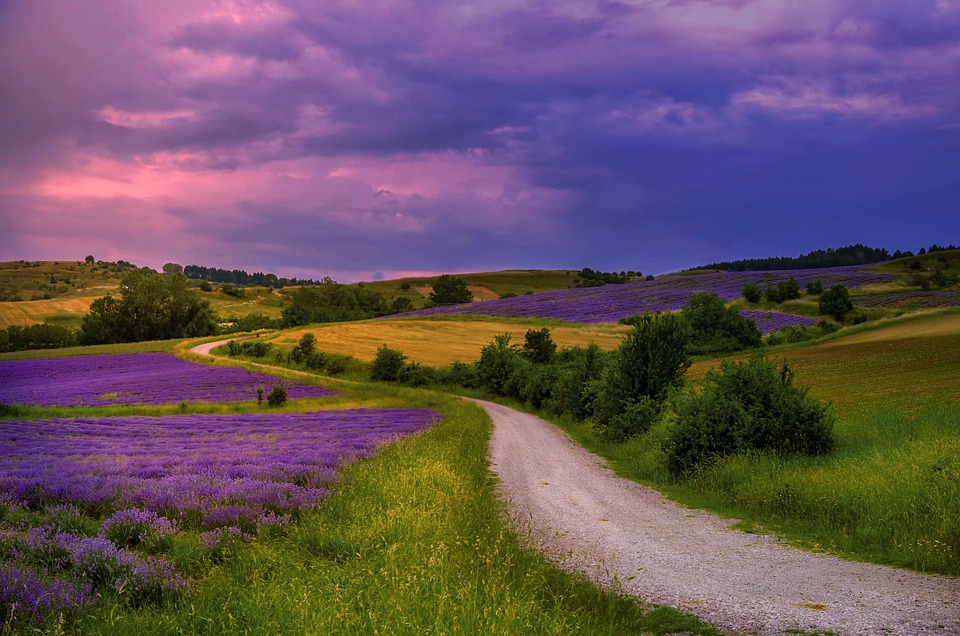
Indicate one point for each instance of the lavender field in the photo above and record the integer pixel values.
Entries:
(151, 479)
(612, 302)
(133, 378)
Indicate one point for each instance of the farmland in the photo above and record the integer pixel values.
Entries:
(461, 339)
(201, 516)
(265, 494)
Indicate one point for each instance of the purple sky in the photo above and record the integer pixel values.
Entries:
(361, 139)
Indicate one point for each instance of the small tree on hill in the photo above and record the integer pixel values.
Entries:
(752, 293)
(716, 328)
(388, 365)
(450, 290)
(835, 302)
(538, 346)
(650, 361)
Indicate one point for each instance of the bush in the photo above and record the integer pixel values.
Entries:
(788, 290)
(835, 302)
(746, 406)
(538, 346)
(815, 287)
(752, 293)
(387, 365)
(277, 396)
(651, 361)
(496, 363)
(716, 328)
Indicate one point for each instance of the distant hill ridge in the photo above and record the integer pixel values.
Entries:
(858, 254)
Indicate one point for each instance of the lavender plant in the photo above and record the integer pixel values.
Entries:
(136, 378)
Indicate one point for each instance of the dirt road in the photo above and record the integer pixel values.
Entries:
(616, 530)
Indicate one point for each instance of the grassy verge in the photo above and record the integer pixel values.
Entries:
(412, 542)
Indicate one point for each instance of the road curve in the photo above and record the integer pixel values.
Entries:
(614, 530)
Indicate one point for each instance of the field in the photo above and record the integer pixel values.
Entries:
(440, 342)
(217, 517)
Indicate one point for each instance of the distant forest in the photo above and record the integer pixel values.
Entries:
(850, 255)
(240, 277)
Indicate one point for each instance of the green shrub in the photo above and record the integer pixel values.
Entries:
(752, 293)
(497, 361)
(387, 365)
(746, 406)
(716, 328)
(815, 287)
(650, 362)
(538, 346)
(277, 396)
(788, 290)
(835, 302)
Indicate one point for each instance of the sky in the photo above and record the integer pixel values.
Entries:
(376, 139)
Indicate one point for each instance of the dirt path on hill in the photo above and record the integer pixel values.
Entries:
(612, 529)
(205, 348)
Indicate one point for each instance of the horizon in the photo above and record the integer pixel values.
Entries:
(365, 142)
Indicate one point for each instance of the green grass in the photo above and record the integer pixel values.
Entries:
(889, 493)
(412, 542)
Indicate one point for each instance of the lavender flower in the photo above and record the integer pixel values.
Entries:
(134, 378)
(670, 293)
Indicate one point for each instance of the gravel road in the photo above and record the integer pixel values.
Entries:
(614, 530)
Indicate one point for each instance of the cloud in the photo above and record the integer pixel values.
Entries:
(366, 136)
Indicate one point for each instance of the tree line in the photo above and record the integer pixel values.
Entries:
(850, 255)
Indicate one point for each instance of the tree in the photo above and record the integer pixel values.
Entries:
(835, 302)
(89, 259)
(450, 290)
(716, 328)
(538, 346)
(496, 364)
(752, 293)
(388, 365)
(150, 307)
(172, 268)
(788, 290)
(648, 364)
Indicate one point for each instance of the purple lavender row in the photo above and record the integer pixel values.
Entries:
(133, 378)
(770, 322)
(911, 300)
(217, 470)
(612, 302)
(230, 474)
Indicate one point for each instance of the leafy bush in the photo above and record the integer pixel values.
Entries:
(815, 287)
(716, 328)
(746, 406)
(752, 293)
(651, 361)
(835, 302)
(790, 333)
(387, 365)
(496, 363)
(788, 290)
(277, 396)
(538, 345)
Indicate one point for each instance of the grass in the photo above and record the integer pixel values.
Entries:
(889, 493)
(441, 342)
(411, 542)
